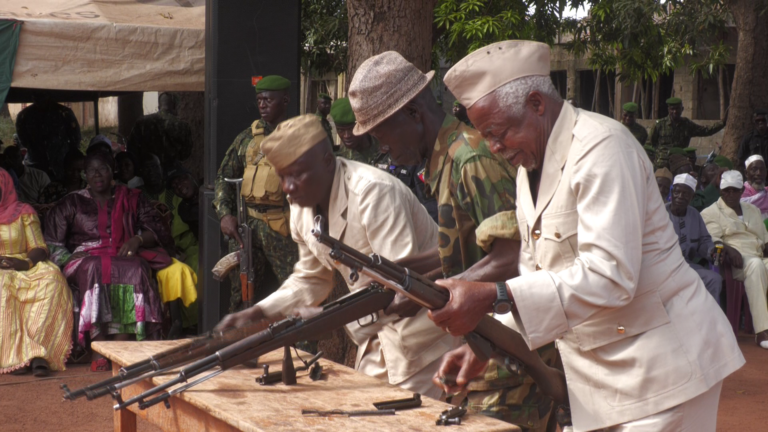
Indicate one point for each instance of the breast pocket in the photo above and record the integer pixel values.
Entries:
(559, 232)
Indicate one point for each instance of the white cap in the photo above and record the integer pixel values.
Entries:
(687, 180)
(731, 179)
(752, 159)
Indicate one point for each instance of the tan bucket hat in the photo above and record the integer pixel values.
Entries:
(382, 85)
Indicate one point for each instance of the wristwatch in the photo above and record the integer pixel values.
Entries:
(503, 304)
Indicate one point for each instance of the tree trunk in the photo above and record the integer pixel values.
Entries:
(376, 26)
(191, 109)
(750, 89)
(634, 93)
(656, 91)
(610, 95)
(721, 89)
(643, 100)
(596, 94)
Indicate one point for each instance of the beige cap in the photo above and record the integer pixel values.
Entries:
(492, 66)
(291, 139)
(664, 173)
(382, 85)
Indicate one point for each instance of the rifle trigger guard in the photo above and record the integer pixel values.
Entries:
(374, 320)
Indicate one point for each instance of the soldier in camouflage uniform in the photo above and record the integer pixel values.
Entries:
(363, 148)
(268, 213)
(628, 120)
(323, 109)
(470, 184)
(677, 131)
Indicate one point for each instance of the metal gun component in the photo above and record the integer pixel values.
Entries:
(165, 396)
(451, 416)
(400, 404)
(316, 372)
(247, 274)
(338, 412)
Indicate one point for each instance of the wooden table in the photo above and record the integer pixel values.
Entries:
(233, 401)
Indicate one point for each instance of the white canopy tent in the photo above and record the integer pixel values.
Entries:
(109, 45)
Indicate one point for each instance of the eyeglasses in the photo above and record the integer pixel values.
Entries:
(103, 170)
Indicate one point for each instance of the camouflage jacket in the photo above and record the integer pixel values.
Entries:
(233, 166)
(470, 184)
(326, 126)
(665, 135)
(639, 132)
(161, 133)
(366, 156)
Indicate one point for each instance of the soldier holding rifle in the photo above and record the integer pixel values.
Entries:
(266, 209)
(357, 201)
(641, 340)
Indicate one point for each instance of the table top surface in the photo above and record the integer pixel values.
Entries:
(235, 398)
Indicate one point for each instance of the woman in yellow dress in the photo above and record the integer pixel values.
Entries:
(35, 301)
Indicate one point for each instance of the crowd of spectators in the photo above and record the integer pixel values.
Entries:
(103, 247)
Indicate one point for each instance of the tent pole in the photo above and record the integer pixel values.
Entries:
(96, 115)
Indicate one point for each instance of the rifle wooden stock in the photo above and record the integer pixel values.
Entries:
(334, 315)
(490, 337)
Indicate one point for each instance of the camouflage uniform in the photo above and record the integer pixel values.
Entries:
(665, 135)
(367, 156)
(162, 134)
(641, 135)
(329, 131)
(269, 245)
(471, 184)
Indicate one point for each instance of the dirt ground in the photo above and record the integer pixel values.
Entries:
(29, 404)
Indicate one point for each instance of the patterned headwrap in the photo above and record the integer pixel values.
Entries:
(10, 206)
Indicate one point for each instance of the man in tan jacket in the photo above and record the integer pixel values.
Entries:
(601, 272)
(371, 211)
(740, 225)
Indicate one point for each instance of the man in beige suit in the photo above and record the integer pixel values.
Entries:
(370, 211)
(644, 346)
(740, 225)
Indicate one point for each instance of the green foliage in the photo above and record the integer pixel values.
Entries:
(7, 129)
(324, 28)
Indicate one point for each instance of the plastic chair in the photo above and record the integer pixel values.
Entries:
(735, 298)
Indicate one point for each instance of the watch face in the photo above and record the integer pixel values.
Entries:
(502, 307)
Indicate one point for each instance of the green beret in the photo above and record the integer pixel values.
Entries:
(323, 96)
(676, 150)
(674, 101)
(649, 148)
(272, 82)
(630, 107)
(456, 103)
(341, 112)
(690, 150)
(723, 162)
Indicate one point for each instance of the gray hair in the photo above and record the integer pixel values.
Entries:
(512, 95)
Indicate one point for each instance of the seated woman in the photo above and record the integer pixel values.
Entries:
(108, 239)
(35, 302)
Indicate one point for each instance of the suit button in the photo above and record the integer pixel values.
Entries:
(538, 267)
(557, 235)
(536, 234)
(620, 329)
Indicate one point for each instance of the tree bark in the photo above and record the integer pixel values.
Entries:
(376, 26)
(656, 91)
(643, 100)
(721, 89)
(750, 89)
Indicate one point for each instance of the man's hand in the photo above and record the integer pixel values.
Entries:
(469, 302)
(240, 319)
(457, 369)
(402, 306)
(229, 228)
(733, 257)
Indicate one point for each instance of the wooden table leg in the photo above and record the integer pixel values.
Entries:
(124, 419)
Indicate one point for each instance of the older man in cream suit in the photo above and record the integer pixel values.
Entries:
(359, 202)
(644, 346)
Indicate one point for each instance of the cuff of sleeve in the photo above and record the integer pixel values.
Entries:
(278, 303)
(501, 225)
(539, 308)
(223, 210)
